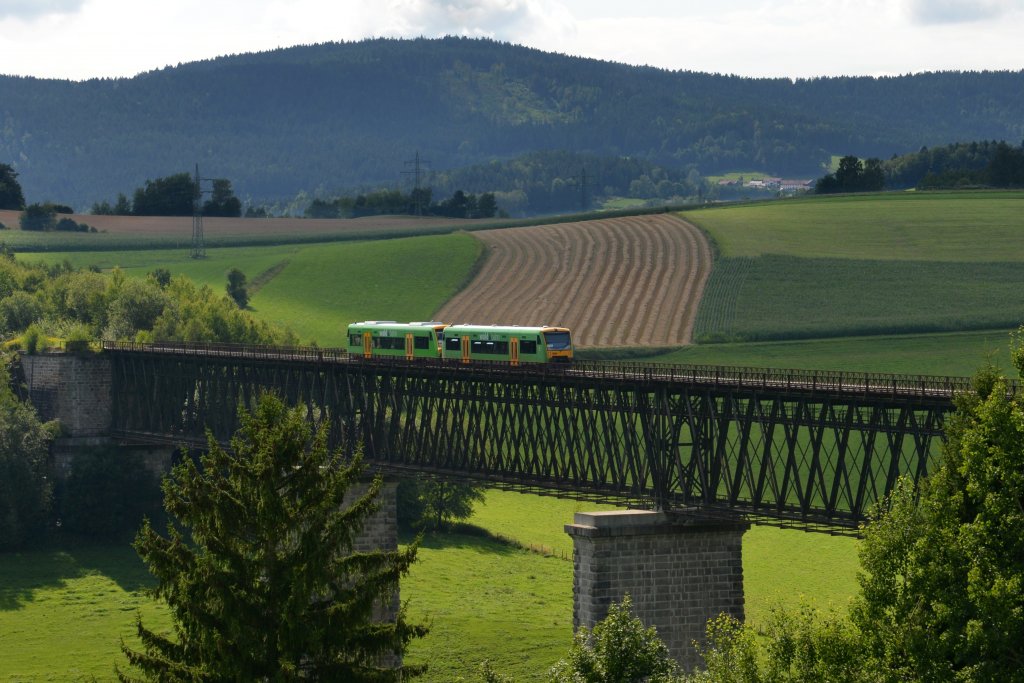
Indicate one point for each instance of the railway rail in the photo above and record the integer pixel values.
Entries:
(934, 387)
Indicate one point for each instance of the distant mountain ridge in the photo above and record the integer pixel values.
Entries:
(345, 115)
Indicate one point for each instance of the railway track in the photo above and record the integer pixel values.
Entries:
(837, 382)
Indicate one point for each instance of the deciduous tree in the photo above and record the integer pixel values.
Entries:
(223, 201)
(619, 649)
(943, 586)
(260, 574)
(236, 287)
(25, 485)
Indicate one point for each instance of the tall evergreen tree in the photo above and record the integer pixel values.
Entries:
(261, 578)
(11, 196)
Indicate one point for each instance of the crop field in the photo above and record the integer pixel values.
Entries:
(955, 226)
(616, 282)
(153, 232)
(881, 264)
(784, 297)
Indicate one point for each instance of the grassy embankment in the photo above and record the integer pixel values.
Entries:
(317, 289)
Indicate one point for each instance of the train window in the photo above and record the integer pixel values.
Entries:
(527, 346)
(491, 348)
(421, 342)
(452, 344)
(356, 340)
(557, 340)
(389, 343)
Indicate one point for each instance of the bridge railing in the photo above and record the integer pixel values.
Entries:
(926, 386)
(784, 378)
(256, 351)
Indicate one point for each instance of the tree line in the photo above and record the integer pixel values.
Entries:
(986, 164)
(418, 202)
(173, 195)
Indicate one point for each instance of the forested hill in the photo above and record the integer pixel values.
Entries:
(344, 115)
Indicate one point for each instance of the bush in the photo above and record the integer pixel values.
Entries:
(25, 490)
(38, 217)
(34, 339)
(19, 310)
(107, 494)
(68, 225)
(237, 287)
(78, 338)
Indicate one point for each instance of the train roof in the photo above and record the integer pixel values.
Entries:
(394, 325)
(504, 329)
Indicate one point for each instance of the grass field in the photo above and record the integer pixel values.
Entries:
(857, 265)
(62, 613)
(783, 297)
(952, 226)
(952, 354)
(322, 287)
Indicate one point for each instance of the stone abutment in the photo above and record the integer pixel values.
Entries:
(678, 572)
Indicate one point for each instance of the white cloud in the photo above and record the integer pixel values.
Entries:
(929, 12)
(511, 20)
(33, 9)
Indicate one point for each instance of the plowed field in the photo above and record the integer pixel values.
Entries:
(181, 226)
(633, 281)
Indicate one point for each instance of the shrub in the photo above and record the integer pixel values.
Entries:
(25, 490)
(19, 310)
(34, 339)
(38, 217)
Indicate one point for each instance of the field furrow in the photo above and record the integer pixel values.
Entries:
(632, 281)
(665, 255)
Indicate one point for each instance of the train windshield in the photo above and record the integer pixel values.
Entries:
(557, 341)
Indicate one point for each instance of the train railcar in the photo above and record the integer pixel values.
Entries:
(393, 339)
(513, 344)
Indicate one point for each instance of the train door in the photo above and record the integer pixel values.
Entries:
(513, 346)
(367, 344)
(465, 349)
(408, 346)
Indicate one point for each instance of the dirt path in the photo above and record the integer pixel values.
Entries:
(632, 281)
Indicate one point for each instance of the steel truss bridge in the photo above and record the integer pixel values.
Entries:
(811, 449)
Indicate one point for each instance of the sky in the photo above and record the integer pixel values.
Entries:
(80, 39)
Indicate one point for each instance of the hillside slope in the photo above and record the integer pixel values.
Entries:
(348, 114)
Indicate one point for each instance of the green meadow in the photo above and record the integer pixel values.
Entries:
(487, 596)
(316, 290)
(958, 354)
(851, 266)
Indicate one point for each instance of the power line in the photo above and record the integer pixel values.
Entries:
(417, 173)
(581, 182)
(198, 241)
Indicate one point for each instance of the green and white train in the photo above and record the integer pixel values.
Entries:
(513, 344)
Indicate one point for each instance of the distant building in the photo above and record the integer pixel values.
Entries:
(796, 185)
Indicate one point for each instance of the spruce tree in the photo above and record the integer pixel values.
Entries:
(259, 571)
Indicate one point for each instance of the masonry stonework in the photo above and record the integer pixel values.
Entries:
(74, 389)
(678, 573)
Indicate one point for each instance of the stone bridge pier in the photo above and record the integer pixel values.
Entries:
(679, 572)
